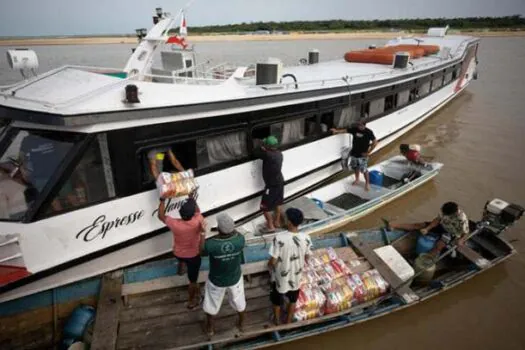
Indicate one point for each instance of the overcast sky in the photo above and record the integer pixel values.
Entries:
(70, 17)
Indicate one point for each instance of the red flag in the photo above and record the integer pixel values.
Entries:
(177, 40)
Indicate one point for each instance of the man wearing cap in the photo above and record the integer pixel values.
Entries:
(225, 252)
(188, 233)
(273, 195)
(288, 253)
(363, 143)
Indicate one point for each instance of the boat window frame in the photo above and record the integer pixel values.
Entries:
(32, 214)
(142, 151)
(42, 212)
(301, 115)
(362, 99)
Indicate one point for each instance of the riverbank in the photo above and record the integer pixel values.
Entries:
(236, 37)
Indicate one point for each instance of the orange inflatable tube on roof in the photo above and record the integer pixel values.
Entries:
(370, 56)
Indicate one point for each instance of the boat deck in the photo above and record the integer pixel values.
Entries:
(161, 320)
(153, 313)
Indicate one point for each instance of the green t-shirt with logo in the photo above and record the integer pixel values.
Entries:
(225, 259)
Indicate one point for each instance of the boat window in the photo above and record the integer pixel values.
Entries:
(197, 154)
(390, 102)
(414, 95)
(424, 89)
(221, 149)
(403, 97)
(29, 159)
(293, 131)
(327, 123)
(448, 78)
(184, 151)
(289, 132)
(90, 182)
(347, 116)
(436, 83)
(455, 73)
(376, 107)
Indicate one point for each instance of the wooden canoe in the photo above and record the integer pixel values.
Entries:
(340, 203)
(143, 306)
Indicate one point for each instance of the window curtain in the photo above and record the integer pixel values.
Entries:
(226, 147)
(377, 107)
(292, 131)
(402, 97)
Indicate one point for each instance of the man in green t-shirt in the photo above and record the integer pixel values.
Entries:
(225, 252)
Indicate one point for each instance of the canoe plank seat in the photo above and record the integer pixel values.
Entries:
(108, 310)
(402, 289)
(480, 262)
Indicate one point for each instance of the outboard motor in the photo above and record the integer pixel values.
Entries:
(500, 214)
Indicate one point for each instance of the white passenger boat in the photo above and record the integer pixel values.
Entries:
(76, 195)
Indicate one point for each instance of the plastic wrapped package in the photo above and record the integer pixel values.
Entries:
(325, 255)
(309, 278)
(310, 304)
(372, 289)
(358, 288)
(331, 253)
(340, 268)
(338, 296)
(379, 280)
(314, 262)
(326, 274)
(176, 184)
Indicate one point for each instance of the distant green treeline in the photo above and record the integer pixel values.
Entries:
(468, 23)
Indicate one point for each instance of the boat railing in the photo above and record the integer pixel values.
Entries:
(175, 78)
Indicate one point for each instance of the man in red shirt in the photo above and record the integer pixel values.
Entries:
(411, 154)
(188, 233)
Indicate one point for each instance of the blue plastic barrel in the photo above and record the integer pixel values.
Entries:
(425, 244)
(376, 178)
(78, 321)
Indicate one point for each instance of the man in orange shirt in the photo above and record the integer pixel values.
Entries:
(188, 234)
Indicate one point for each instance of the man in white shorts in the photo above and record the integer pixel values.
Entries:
(225, 251)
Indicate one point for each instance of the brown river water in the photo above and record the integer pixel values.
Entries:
(479, 136)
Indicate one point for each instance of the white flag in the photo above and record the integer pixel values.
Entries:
(183, 30)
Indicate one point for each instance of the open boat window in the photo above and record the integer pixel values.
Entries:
(198, 154)
(346, 116)
(376, 107)
(90, 182)
(184, 151)
(436, 83)
(29, 159)
(292, 132)
(424, 89)
(390, 102)
(448, 78)
(221, 149)
(414, 95)
(403, 98)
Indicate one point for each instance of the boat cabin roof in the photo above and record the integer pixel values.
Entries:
(83, 99)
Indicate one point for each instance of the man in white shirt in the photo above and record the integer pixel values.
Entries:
(288, 253)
